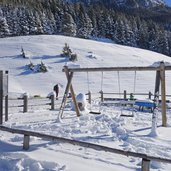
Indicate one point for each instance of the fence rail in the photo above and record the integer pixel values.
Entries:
(26, 144)
(26, 102)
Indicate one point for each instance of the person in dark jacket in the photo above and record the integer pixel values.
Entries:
(56, 89)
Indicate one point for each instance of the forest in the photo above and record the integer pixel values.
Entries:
(144, 28)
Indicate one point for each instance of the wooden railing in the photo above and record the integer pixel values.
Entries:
(26, 143)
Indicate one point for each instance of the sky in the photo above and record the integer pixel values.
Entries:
(168, 2)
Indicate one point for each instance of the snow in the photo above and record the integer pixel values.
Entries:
(108, 128)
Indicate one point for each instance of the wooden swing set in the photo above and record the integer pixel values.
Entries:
(160, 79)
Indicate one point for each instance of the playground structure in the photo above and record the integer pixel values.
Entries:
(160, 79)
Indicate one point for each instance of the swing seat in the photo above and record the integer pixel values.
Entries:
(94, 112)
(145, 103)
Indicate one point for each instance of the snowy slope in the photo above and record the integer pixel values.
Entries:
(109, 128)
(90, 54)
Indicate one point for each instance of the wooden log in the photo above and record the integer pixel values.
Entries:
(26, 142)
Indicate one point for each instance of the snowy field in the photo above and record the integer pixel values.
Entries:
(109, 128)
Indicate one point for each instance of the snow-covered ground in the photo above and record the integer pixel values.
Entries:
(108, 128)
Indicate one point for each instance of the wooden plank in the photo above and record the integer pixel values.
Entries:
(85, 144)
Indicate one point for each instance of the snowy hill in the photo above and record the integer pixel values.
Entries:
(109, 128)
(90, 53)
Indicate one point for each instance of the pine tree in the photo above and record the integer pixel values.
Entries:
(68, 25)
(4, 28)
(66, 51)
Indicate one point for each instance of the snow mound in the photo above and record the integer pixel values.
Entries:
(157, 63)
(22, 162)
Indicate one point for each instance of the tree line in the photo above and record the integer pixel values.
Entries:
(19, 17)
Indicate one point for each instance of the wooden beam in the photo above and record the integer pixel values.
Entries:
(163, 94)
(62, 107)
(85, 144)
(146, 68)
(72, 93)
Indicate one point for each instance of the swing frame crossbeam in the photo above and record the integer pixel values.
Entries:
(160, 77)
(104, 69)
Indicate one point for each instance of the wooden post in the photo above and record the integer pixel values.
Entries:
(145, 165)
(1, 97)
(89, 97)
(25, 103)
(163, 94)
(125, 94)
(52, 97)
(102, 97)
(69, 86)
(6, 97)
(6, 108)
(68, 75)
(26, 142)
(65, 96)
(149, 95)
(157, 84)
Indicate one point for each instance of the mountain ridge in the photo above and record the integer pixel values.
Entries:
(124, 3)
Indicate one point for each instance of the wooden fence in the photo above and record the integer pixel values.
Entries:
(26, 144)
(27, 102)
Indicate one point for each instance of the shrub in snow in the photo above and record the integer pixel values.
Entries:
(157, 63)
(23, 53)
(73, 57)
(66, 51)
(31, 66)
(91, 55)
(42, 67)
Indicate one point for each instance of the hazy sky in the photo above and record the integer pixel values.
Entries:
(168, 2)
